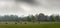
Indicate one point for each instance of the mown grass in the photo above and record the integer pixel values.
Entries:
(31, 25)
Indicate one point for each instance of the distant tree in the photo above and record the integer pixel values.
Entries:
(46, 18)
(57, 18)
(33, 18)
(52, 18)
(13, 17)
(28, 18)
(40, 16)
(16, 18)
(19, 20)
(36, 17)
(6, 18)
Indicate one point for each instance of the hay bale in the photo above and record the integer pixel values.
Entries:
(15, 23)
(25, 23)
(6, 23)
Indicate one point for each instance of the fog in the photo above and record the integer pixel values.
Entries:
(28, 7)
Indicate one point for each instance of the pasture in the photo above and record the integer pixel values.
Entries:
(31, 25)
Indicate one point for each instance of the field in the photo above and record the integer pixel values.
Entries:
(31, 25)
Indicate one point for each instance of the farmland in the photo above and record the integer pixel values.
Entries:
(31, 25)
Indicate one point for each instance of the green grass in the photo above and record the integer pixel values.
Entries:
(31, 25)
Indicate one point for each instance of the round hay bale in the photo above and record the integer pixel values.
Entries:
(15, 23)
(6, 23)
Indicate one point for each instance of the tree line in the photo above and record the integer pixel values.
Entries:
(31, 18)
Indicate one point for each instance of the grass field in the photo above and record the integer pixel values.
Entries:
(31, 25)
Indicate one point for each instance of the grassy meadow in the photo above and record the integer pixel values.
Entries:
(31, 25)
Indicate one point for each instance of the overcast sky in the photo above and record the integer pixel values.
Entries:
(28, 7)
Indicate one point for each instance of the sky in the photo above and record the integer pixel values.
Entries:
(29, 7)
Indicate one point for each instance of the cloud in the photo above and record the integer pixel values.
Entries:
(26, 7)
(31, 2)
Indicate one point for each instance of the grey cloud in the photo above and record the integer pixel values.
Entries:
(25, 7)
(28, 1)
(32, 2)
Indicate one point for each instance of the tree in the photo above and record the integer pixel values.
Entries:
(33, 18)
(36, 17)
(6, 18)
(57, 18)
(46, 18)
(52, 18)
(40, 17)
(28, 18)
(14, 18)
